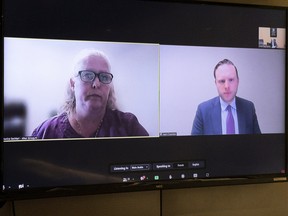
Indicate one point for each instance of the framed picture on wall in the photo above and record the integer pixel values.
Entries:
(273, 32)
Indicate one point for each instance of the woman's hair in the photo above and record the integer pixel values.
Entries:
(70, 101)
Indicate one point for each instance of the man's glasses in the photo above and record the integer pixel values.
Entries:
(90, 76)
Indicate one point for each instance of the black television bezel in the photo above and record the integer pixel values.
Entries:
(153, 185)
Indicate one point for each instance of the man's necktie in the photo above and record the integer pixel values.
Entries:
(230, 127)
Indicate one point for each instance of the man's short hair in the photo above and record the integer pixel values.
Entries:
(223, 62)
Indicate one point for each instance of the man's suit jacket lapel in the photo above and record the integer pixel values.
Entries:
(216, 116)
(241, 115)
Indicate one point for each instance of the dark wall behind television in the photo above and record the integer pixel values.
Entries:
(259, 200)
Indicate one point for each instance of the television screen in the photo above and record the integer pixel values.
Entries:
(107, 96)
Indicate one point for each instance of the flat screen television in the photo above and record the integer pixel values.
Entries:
(147, 96)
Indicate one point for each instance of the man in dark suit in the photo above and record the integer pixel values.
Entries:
(226, 114)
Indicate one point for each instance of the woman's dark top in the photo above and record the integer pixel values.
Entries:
(115, 124)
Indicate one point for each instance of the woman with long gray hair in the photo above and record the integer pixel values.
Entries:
(90, 107)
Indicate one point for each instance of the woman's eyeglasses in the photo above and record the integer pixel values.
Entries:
(90, 76)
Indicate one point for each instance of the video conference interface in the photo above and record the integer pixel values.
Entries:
(162, 70)
(168, 82)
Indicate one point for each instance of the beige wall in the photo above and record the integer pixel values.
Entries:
(241, 200)
(238, 200)
(244, 200)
